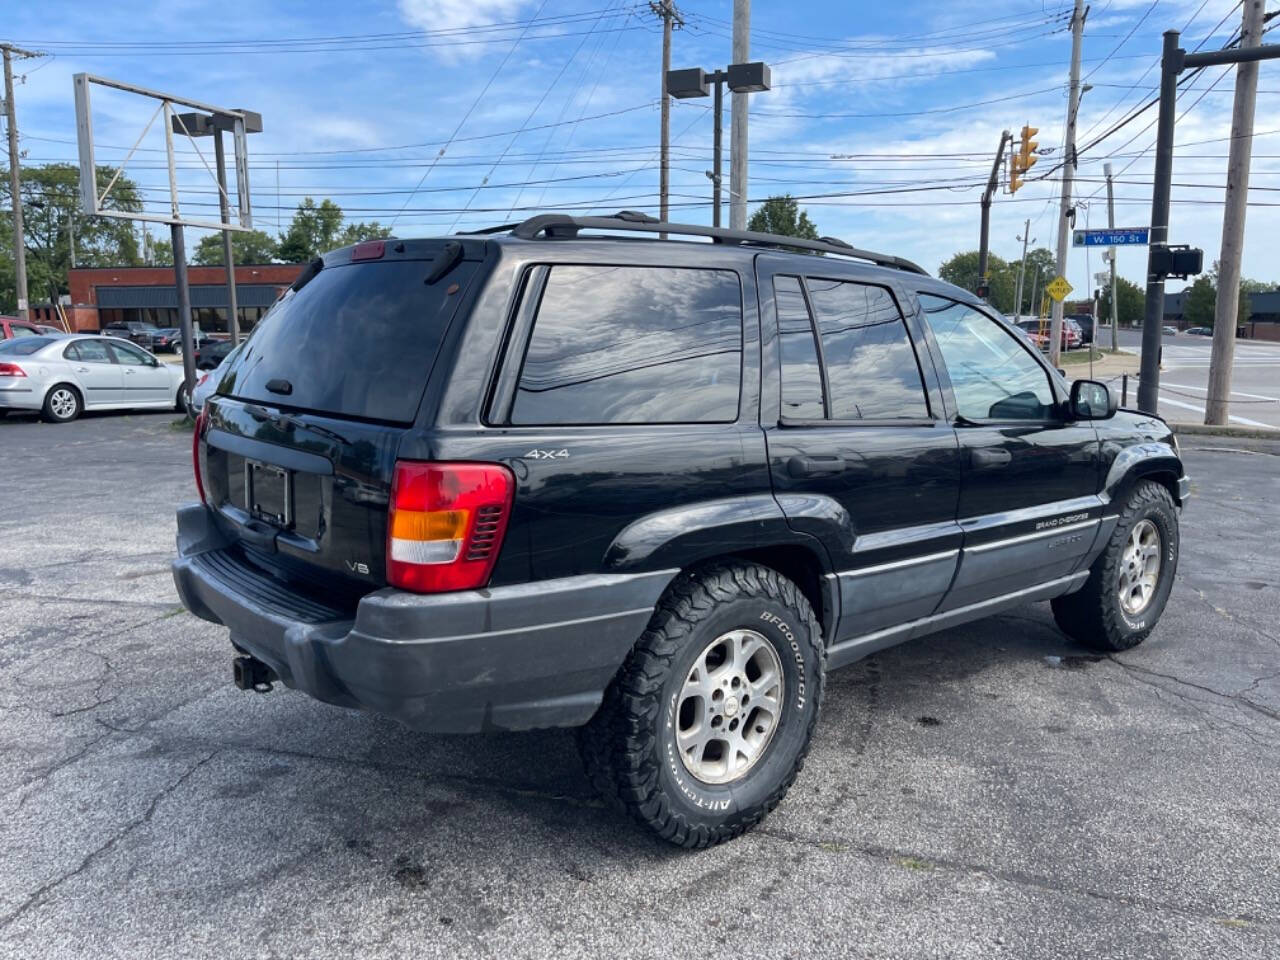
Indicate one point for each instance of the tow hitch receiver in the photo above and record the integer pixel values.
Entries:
(252, 674)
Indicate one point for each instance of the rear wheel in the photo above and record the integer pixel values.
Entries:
(62, 404)
(708, 722)
(1129, 583)
(182, 402)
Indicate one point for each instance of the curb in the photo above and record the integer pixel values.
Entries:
(1206, 430)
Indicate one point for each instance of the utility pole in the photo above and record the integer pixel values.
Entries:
(984, 288)
(15, 178)
(738, 132)
(1111, 225)
(228, 256)
(1022, 270)
(1153, 319)
(670, 16)
(1164, 260)
(1068, 171)
(1225, 317)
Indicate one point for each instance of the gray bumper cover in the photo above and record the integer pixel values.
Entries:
(506, 658)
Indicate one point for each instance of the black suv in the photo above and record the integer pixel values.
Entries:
(552, 476)
(143, 334)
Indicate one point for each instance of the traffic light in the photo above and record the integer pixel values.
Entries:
(1024, 159)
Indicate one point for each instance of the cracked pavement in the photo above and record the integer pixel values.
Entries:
(992, 791)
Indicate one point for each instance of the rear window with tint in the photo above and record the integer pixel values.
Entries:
(358, 340)
(24, 347)
(619, 344)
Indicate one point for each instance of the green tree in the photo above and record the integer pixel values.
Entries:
(1130, 303)
(1200, 303)
(318, 228)
(161, 253)
(962, 270)
(783, 216)
(355, 232)
(51, 212)
(253, 246)
(313, 230)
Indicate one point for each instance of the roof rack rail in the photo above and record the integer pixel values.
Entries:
(563, 226)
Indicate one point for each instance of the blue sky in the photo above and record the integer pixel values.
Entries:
(553, 105)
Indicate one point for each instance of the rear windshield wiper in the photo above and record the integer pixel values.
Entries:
(448, 258)
(307, 275)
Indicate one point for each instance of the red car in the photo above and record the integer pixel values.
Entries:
(1072, 336)
(11, 327)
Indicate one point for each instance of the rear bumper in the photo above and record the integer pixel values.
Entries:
(20, 398)
(505, 658)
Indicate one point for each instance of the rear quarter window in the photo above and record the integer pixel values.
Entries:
(624, 344)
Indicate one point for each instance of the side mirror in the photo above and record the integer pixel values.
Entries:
(1091, 400)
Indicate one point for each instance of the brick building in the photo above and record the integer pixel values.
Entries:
(103, 295)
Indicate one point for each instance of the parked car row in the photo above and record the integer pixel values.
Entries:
(1037, 332)
(62, 376)
(153, 338)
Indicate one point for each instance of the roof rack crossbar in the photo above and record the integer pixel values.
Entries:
(560, 225)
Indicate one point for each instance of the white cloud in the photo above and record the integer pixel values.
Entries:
(458, 14)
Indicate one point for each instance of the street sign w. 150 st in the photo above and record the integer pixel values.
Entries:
(1115, 237)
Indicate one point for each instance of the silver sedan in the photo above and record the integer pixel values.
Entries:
(63, 376)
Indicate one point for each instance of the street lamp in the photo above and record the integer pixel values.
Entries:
(693, 82)
(213, 125)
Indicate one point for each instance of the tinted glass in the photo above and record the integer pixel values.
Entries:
(871, 366)
(128, 356)
(633, 345)
(993, 375)
(24, 347)
(359, 339)
(88, 351)
(801, 378)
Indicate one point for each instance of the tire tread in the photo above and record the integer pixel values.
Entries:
(617, 746)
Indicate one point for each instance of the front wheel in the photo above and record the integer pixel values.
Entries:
(708, 722)
(1129, 583)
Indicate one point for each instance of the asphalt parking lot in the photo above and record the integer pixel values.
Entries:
(987, 792)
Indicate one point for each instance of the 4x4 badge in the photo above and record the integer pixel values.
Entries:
(536, 454)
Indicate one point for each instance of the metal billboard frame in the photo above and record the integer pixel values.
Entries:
(91, 201)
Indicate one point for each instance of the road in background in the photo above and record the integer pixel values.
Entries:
(1184, 378)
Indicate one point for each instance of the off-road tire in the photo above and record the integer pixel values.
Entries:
(1093, 616)
(53, 410)
(625, 748)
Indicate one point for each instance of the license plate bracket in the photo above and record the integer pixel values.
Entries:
(268, 493)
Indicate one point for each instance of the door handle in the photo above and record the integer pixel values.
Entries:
(128, 371)
(990, 457)
(82, 369)
(815, 466)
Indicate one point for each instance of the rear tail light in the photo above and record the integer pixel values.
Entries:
(11, 370)
(446, 524)
(196, 436)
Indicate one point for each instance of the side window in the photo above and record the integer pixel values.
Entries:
(871, 367)
(993, 376)
(90, 351)
(128, 356)
(22, 331)
(72, 352)
(801, 376)
(615, 344)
